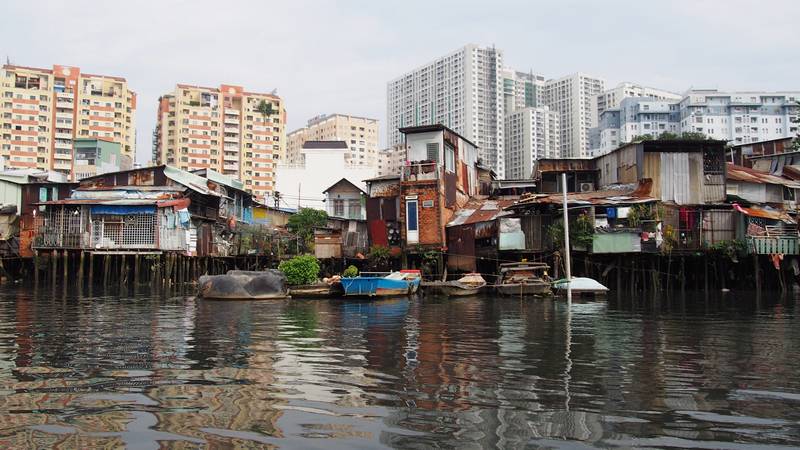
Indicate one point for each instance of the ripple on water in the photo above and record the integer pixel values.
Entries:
(468, 373)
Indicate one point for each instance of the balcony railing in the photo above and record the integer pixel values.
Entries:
(766, 245)
(420, 172)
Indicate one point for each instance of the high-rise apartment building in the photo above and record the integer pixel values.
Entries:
(574, 97)
(391, 160)
(531, 134)
(227, 129)
(462, 90)
(740, 117)
(635, 116)
(43, 112)
(360, 134)
(612, 98)
(521, 90)
(737, 117)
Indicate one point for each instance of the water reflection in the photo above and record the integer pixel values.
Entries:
(173, 372)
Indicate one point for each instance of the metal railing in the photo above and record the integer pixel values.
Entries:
(420, 172)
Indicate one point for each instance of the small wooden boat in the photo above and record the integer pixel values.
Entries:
(404, 282)
(469, 284)
(580, 286)
(523, 279)
(318, 290)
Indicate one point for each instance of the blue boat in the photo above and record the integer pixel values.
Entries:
(405, 282)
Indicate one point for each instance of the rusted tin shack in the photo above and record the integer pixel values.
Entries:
(152, 209)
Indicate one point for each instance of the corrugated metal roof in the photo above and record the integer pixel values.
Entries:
(184, 202)
(744, 174)
(764, 213)
(476, 211)
(190, 180)
(622, 195)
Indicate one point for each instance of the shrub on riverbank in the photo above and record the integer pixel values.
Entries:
(300, 269)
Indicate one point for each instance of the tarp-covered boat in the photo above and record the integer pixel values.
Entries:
(580, 285)
(244, 285)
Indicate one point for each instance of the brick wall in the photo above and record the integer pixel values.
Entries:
(430, 225)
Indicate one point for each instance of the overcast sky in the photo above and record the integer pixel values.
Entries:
(326, 57)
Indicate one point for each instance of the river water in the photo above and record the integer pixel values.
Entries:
(151, 372)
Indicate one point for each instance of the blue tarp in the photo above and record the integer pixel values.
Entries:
(121, 210)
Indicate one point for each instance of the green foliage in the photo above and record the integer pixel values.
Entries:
(730, 249)
(694, 135)
(379, 256)
(642, 137)
(266, 109)
(350, 272)
(302, 269)
(668, 136)
(669, 239)
(640, 213)
(305, 220)
(581, 232)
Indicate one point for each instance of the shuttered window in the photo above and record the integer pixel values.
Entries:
(432, 151)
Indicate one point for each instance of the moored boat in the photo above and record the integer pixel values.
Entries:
(523, 279)
(580, 286)
(469, 284)
(405, 282)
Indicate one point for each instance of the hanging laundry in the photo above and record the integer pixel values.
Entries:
(183, 215)
(776, 260)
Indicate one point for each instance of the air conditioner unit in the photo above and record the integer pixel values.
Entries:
(586, 187)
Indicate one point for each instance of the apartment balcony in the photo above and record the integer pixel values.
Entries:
(231, 122)
(64, 115)
(231, 139)
(232, 129)
(63, 145)
(231, 148)
(65, 105)
(232, 112)
(228, 157)
(65, 94)
(62, 135)
(63, 157)
(232, 166)
(420, 172)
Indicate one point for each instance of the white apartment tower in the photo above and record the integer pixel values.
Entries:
(574, 97)
(531, 134)
(462, 90)
(522, 90)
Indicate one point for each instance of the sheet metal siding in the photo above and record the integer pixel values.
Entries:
(651, 168)
(695, 189)
(676, 180)
(719, 225)
(461, 248)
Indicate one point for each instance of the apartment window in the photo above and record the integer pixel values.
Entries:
(432, 151)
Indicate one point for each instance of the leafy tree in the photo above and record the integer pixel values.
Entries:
(302, 269)
(669, 136)
(379, 257)
(642, 137)
(581, 232)
(350, 272)
(266, 109)
(694, 135)
(305, 220)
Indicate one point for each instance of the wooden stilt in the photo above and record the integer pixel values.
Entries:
(36, 267)
(66, 266)
(91, 268)
(106, 270)
(136, 270)
(80, 268)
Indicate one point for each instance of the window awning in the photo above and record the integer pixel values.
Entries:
(121, 210)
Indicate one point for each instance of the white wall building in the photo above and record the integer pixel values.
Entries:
(612, 98)
(574, 97)
(521, 90)
(461, 90)
(360, 133)
(740, 117)
(302, 185)
(391, 160)
(531, 134)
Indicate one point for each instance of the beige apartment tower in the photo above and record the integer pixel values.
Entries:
(360, 134)
(227, 129)
(43, 111)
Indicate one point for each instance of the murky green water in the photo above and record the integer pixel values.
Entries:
(154, 372)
